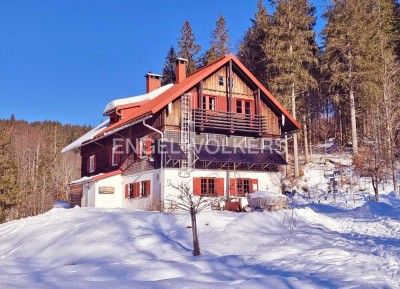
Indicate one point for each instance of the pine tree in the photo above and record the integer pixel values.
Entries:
(219, 44)
(255, 43)
(293, 53)
(188, 49)
(8, 172)
(168, 70)
(350, 46)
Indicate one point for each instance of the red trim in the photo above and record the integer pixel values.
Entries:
(107, 175)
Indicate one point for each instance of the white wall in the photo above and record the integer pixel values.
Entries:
(110, 200)
(147, 203)
(267, 181)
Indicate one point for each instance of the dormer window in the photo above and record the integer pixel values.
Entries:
(221, 80)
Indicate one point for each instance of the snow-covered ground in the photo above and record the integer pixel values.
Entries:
(115, 248)
(324, 242)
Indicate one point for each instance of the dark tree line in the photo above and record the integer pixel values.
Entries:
(33, 172)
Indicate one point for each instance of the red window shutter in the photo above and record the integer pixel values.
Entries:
(147, 144)
(127, 191)
(232, 187)
(220, 187)
(148, 188)
(254, 183)
(137, 189)
(197, 186)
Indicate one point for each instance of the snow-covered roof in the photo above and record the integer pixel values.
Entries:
(86, 137)
(135, 99)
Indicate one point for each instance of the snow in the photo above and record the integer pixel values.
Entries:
(265, 194)
(335, 242)
(135, 99)
(86, 137)
(118, 248)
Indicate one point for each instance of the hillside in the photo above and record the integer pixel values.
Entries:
(330, 247)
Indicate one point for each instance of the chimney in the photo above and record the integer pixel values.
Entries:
(153, 81)
(180, 69)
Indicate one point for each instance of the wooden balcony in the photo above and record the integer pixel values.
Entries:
(229, 121)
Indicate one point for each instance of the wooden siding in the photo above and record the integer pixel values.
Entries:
(272, 120)
(240, 88)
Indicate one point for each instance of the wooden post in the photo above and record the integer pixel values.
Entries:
(201, 95)
(258, 104)
(230, 77)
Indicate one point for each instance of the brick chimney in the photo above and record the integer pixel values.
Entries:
(180, 69)
(153, 81)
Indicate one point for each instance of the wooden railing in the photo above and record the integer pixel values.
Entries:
(206, 119)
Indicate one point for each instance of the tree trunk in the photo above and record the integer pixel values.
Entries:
(305, 128)
(353, 112)
(287, 154)
(295, 146)
(196, 244)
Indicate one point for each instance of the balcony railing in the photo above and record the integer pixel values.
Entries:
(206, 119)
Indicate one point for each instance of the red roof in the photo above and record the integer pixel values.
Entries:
(152, 106)
(107, 175)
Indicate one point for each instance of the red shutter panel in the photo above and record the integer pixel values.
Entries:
(254, 184)
(148, 188)
(220, 187)
(197, 186)
(147, 144)
(137, 189)
(127, 191)
(232, 187)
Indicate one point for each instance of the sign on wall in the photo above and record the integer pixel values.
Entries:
(106, 190)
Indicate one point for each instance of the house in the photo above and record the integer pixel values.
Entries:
(217, 129)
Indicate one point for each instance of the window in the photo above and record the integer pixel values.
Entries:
(243, 186)
(144, 189)
(239, 108)
(208, 186)
(243, 106)
(138, 190)
(211, 103)
(116, 155)
(247, 107)
(220, 80)
(92, 164)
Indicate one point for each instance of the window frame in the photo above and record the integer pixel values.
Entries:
(221, 80)
(115, 157)
(208, 184)
(241, 184)
(92, 161)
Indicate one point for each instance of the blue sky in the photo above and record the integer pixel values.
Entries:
(65, 60)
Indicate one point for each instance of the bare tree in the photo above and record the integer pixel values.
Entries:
(186, 201)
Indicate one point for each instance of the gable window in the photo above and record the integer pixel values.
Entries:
(220, 80)
(247, 107)
(92, 164)
(204, 102)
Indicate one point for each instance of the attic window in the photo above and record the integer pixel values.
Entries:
(220, 80)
